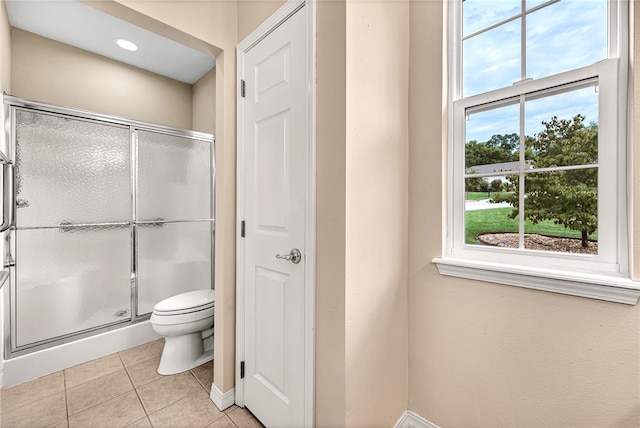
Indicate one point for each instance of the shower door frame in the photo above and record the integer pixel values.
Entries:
(10, 105)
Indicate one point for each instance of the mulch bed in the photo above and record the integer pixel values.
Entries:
(534, 241)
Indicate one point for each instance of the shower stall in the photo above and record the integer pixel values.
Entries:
(104, 217)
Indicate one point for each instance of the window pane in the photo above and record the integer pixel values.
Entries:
(491, 60)
(566, 35)
(493, 140)
(562, 129)
(561, 211)
(487, 212)
(479, 14)
(493, 143)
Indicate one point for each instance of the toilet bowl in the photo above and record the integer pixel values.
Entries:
(186, 322)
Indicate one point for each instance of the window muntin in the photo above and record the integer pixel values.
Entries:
(610, 91)
(477, 15)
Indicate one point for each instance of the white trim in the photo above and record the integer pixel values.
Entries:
(31, 366)
(240, 247)
(413, 420)
(310, 232)
(600, 287)
(625, 179)
(222, 400)
(288, 9)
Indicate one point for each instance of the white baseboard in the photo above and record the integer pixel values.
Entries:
(222, 400)
(413, 420)
(31, 366)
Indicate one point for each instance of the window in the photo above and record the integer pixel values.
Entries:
(537, 145)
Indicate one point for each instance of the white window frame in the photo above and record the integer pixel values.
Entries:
(603, 276)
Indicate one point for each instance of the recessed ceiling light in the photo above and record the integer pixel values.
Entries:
(126, 45)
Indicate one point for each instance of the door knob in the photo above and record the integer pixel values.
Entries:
(294, 256)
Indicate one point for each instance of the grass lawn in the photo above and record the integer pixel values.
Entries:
(496, 220)
(476, 196)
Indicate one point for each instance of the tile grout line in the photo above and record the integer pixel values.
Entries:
(66, 396)
(112, 398)
(99, 377)
(197, 380)
(169, 404)
(124, 367)
(35, 401)
(96, 405)
(135, 388)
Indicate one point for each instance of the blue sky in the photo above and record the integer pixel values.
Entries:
(561, 36)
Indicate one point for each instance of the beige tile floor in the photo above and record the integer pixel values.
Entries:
(120, 390)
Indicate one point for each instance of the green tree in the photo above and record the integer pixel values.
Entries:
(498, 149)
(496, 185)
(568, 197)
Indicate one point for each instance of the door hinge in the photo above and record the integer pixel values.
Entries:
(242, 229)
(242, 88)
(241, 369)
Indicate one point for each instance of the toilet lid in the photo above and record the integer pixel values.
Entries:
(192, 300)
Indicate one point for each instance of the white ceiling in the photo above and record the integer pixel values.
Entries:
(86, 28)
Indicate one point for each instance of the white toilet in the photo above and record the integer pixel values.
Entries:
(186, 322)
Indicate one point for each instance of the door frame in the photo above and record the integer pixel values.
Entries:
(274, 21)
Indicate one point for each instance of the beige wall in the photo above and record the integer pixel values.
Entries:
(331, 118)
(483, 354)
(52, 72)
(204, 103)
(5, 49)
(252, 13)
(376, 211)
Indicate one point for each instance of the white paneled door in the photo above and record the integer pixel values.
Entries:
(275, 161)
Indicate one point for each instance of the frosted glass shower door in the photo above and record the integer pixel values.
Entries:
(174, 223)
(73, 232)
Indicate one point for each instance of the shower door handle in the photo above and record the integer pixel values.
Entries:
(8, 196)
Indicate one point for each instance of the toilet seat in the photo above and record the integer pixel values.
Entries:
(186, 303)
(184, 311)
(182, 318)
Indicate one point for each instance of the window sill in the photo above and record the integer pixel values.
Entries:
(600, 287)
